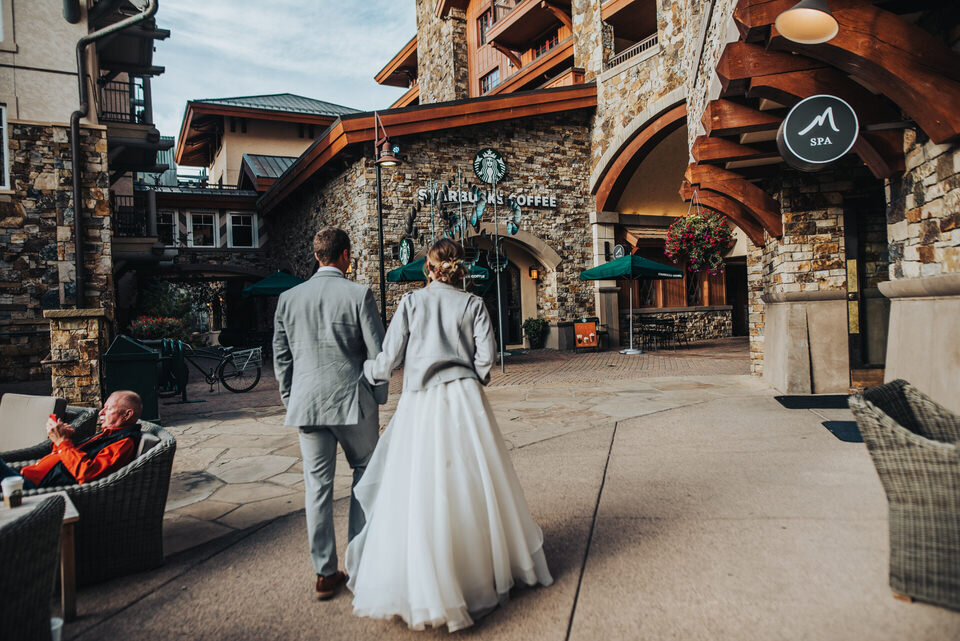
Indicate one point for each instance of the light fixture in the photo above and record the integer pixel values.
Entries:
(386, 152)
(385, 155)
(809, 22)
(534, 273)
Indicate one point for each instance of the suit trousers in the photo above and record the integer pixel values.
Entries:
(318, 446)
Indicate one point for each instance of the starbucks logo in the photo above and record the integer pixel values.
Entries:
(406, 251)
(489, 166)
(619, 251)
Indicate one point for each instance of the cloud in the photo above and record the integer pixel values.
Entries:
(321, 49)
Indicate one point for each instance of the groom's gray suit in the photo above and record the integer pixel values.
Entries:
(324, 330)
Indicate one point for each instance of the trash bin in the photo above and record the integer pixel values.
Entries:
(131, 365)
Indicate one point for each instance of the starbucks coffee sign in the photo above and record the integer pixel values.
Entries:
(532, 199)
(818, 130)
(489, 166)
(406, 251)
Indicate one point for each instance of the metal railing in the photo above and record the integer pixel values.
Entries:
(129, 216)
(123, 101)
(644, 45)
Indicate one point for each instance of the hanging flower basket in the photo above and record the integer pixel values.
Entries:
(701, 237)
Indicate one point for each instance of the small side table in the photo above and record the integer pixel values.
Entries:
(68, 565)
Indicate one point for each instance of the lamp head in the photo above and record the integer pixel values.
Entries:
(809, 22)
(387, 156)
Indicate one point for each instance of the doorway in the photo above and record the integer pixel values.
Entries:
(736, 283)
(511, 298)
(867, 265)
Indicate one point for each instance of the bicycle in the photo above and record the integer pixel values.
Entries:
(237, 369)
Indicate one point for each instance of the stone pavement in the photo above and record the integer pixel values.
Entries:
(690, 507)
(237, 466)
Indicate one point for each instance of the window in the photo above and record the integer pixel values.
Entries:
(484, 22)
(204, 230)
(694, 289)
(546, 44)
(167, 227)
(490, 80)
(241, 230)
(4, 151)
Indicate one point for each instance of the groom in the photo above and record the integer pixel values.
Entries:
(324, 330)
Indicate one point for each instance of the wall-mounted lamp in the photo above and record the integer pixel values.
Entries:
(385, 156)
(809, 22)
(535, 273)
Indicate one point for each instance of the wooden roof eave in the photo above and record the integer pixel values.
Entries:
(406, 57)
(444, 6)
(359, 128)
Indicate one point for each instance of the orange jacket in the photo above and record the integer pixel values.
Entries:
(84, 461)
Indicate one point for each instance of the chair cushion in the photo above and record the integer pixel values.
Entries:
(23, 419)
(147, 442)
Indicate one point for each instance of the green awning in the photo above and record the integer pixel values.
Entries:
(273, 285)
(478, 277)
(632, 267)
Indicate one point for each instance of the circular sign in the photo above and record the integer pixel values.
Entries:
(619, 251)
(817, 131)
(489, 166)
(406, 251)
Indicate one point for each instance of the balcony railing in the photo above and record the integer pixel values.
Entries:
(644, 45)
(124, 101)
(129, 216)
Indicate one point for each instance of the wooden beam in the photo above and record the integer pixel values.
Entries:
(729, 208)
(615, 177)
(731, 184)
(558, 13)
(878, 150)
(727, 118)
(509, 53)
(741, 61)
(709, 149)
(909, 66)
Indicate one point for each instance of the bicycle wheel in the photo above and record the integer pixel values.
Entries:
(237, 380)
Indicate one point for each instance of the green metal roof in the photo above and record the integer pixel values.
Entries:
(286, 102)
(264, 166)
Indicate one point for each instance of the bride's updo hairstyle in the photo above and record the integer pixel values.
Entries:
(445, 262)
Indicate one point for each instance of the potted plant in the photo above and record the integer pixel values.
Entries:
(535, 329)
(703, 237)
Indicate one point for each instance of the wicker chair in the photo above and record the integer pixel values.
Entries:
(29, 549)
(915, 445)
(120, 530)
(84, 423)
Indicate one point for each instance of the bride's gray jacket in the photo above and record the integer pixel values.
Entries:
(439, 334)
(323, 331)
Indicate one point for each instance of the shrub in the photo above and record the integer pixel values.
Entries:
(536, 330)
(702, 237)
(154, 327)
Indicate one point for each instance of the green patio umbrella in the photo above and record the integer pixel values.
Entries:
(273, 285)
(413, 271)
(631, 268)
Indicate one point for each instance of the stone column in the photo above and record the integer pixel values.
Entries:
(78, 340)
(606, 292)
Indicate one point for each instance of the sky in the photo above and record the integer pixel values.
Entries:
(321, 49)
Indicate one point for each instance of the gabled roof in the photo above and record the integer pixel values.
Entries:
(356, 129)
(284, 102)
(203, 119)
(262, 171)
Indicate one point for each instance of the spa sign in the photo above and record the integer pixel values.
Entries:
(818, 130)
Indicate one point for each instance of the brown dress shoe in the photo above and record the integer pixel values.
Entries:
(327, 586)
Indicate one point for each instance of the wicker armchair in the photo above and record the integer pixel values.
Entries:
(915, 445)
(84, 423)
(120, 530)
(29, 549)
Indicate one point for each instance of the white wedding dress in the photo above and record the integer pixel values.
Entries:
(448, 531)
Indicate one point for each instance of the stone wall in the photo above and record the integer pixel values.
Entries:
(37, 244)
(701, 324)
(442, 71)
(638, 89)
(547, 153)
(699, 69)
(78, 340)
(755, 316)
(924, 211)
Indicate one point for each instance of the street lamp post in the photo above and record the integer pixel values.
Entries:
(385, 155)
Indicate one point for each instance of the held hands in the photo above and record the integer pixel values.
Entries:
(57, 430)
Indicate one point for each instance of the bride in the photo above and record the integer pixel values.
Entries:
(448, 530)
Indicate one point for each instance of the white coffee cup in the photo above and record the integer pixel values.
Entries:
(12, 490)
(56, 628)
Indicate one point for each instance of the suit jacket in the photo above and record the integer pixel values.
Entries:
(324, 330)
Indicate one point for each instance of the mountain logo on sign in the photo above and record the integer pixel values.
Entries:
(820, 121)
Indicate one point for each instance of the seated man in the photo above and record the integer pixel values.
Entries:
(108, 450)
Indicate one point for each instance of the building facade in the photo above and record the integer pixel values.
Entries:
(842, 277)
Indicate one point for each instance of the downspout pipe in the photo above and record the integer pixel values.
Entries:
(148, 12)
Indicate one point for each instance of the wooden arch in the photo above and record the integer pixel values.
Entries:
(625, 163)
